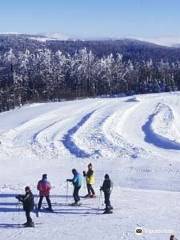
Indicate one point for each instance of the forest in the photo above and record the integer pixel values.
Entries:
(36, 71)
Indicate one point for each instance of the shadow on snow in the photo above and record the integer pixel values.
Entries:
(153, 138)
(69, 143)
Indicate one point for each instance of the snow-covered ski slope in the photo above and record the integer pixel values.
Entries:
(135, 139)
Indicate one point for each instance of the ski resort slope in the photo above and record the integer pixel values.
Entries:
(136, 140)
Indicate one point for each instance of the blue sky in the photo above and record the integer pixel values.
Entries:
(92, 18)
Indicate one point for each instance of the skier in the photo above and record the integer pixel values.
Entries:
(77, 182)
(28, 205)
(89, 181)
(107, 189)
(44, 188)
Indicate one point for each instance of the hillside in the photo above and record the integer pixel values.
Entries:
(134, 139)
(130, 48)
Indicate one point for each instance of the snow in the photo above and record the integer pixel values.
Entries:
(51, 37)
(134, 139)
(168, 41)
(41, 37)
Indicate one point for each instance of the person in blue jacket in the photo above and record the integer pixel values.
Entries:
(77, 182)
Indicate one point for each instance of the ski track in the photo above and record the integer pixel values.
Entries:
(115, 133)
(68, 138)
(99, 133)
(159, 125)
(134, 139)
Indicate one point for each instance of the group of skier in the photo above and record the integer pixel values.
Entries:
(44, 188)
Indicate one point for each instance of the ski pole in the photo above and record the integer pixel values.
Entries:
(16, 210)
(36, 210)
(18, 206)
(85, 183)
(100, 196)
(67, 186)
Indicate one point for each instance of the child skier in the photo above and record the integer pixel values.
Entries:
(107, 189)
(77, 182)
(44, 188)
(28, 205)
(89, 181)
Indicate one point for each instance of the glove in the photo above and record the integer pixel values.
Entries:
(84, 173)
(17, 197)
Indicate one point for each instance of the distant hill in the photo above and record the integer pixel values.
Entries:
(176, 45)
(130, 48)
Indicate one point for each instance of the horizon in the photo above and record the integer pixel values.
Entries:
(149, 21)
(167, 41)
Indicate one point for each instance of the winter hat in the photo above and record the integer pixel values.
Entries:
(44, 176)
(90, 165)
(74, 171)
(106, 176)
(27, 188)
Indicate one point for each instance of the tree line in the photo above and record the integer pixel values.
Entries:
(47, 75)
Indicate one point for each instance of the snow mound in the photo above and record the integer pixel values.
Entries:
(161, 128)
(133, 99)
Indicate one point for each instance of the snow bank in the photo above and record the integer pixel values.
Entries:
(161, 129)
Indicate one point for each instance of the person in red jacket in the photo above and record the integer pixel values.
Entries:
(44, 188)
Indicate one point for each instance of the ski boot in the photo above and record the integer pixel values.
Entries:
(49, 210)
(75, 204)
(87, 196)
(92, 196)
(108, 210)
(29, 224)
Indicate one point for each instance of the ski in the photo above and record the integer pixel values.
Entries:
(75, 204)
(107, 212)
(48, 210)
(32, 225)
(20, 225)
(36, 210)
(88, 197)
